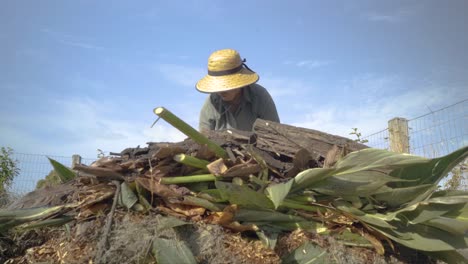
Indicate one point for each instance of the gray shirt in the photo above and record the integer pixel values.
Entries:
(256, 103)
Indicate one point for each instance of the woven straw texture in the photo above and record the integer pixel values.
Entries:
(224, 60)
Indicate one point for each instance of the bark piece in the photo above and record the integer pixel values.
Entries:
(287, 140)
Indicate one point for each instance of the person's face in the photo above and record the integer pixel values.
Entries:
(231, 95)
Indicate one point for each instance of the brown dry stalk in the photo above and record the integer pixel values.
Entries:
(102, 245)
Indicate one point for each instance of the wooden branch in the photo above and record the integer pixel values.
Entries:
(102, 174)
(102, 245)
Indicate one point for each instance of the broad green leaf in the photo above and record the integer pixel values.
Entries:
(432, 208)
(453, 226)
(215, 194)
(166, 222)
(196, 201)
(353, 239)
(310, 226)
(278, 192)
(169, 251)
(248, 215)
(12, 218)
(404, 166)
(362, 183)
(451, 257)
(395, 197)
(127, 197)
(395, 179)
(6, 225)
(48, 223)
(308, 178)
(377, 220)
(431, 171)
(30, 214)
(426, 238)
(308, 253)
(461, 215)
(371, 158)
(446, 193)
(62, 171)
(243, 196)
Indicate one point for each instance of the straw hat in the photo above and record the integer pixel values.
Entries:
(226, 71)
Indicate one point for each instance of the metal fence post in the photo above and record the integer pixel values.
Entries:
(399, 135)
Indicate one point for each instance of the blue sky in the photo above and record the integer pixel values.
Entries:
(77, 76)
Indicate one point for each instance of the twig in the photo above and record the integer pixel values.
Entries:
(102, 245)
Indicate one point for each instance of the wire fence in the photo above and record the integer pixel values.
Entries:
(431, 135)
(35, 167)
(440, 132)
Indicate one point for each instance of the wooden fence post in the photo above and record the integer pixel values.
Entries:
(399, 135)
(76, 160)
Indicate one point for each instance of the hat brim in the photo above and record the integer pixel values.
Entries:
(216, 84)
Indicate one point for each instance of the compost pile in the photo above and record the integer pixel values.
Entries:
(280, 194)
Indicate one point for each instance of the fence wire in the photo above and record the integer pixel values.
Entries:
(432, 135)
(440, 132)
(35, 167)
(378, 140)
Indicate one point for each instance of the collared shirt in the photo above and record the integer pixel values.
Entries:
(256, 103)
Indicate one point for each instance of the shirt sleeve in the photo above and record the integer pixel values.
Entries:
(268, 111)
(207, 118)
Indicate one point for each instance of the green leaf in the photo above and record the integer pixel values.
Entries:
(308, 178)
(310, 226)
(169, 251)
(278, 192)
(29, 214)
(377, 220)
(453, 226)
(430, 209)
(166, 222)
(396, 197)
(215, 195)
(363, 183)
(48, 223)
(404, 166)
(243, 196)
(308, 253)
(12, 218)
(248, 215)
(353, 239)
(452, 257)
(63, 172)
(196, 201)
(127, 197)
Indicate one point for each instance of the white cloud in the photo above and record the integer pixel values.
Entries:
(71, 40)
(389, 17)
(81, 126)
(278, 86)
(312, 63)
(383, 18)
(371, 102)
(81, 45)
(309, 64)
(183, 75)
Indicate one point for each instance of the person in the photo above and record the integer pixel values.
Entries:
(235, 100)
